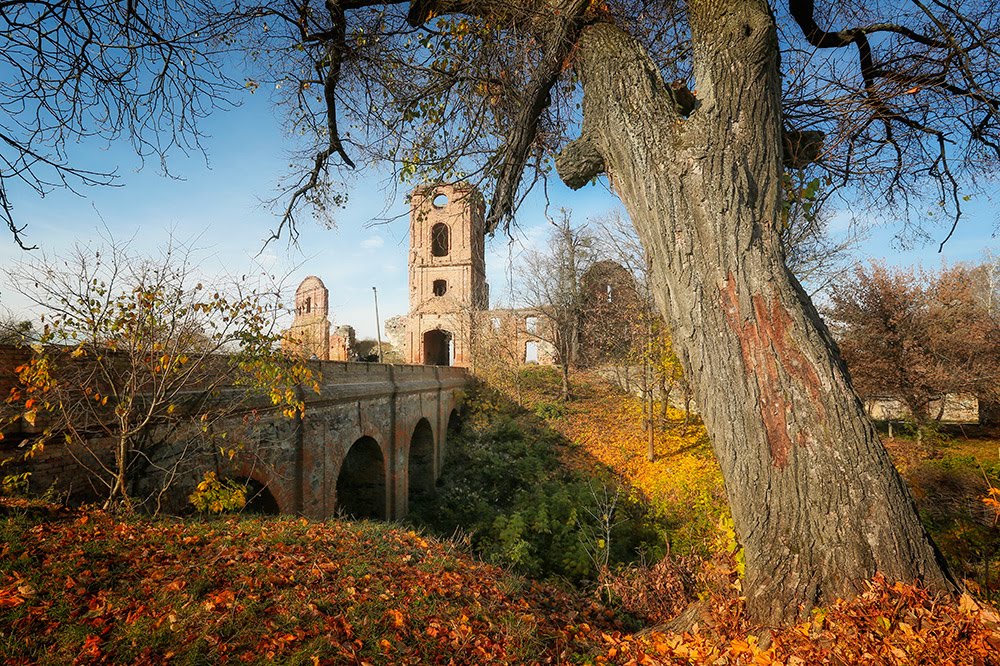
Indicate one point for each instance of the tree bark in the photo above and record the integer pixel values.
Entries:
(816, 502)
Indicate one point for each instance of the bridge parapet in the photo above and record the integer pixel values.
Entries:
(343, 380)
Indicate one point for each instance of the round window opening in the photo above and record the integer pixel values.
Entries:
(440, 201)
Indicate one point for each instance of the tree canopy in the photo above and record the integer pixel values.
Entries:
(896, 100)
(920, 335)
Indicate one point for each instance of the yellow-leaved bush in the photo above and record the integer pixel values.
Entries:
(214, 495)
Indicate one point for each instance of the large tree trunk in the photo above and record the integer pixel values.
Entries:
(816, 502)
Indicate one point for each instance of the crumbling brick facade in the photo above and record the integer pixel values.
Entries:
(449, 296)
(447, 274)
(310, 335)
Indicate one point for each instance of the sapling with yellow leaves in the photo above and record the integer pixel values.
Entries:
(145, 373)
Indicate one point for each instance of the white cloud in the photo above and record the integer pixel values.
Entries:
(372, 242)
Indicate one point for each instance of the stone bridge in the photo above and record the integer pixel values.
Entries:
(374, 437)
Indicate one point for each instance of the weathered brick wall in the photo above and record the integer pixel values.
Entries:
(57, 469)
(53, 467)
(958, 408)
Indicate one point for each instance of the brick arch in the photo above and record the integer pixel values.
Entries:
(454, 423)
(261, 478)
(362, 480)
(260, 499)
(420, 467)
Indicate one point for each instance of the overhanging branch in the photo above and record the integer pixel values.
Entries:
(512, 158)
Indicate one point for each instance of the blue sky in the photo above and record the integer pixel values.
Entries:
(220, 205)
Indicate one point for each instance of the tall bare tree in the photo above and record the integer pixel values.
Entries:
(551, 288)
(628, 314)
(101, 70)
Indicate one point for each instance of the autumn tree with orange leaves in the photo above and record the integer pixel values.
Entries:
(919, 335)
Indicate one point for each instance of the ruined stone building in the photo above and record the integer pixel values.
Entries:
(449, 320)
(310, 334)
(447, 274)
(613, 315)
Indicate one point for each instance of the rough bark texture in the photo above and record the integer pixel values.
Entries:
(815, 499)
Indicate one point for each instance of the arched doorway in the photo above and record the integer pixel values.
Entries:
(420, 472)
(438, 347)
(361, 483)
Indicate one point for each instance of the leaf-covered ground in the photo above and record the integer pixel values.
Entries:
(683, 482)
(950, 472)
(85, 587)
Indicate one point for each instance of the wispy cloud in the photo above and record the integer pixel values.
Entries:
(372, 242)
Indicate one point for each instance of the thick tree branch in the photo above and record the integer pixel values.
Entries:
(559, 42)
(803, 13)
(328, 70)
(579, 163)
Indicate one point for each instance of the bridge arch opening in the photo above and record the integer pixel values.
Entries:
(361, 483)
(259, 499)
(454, 423)
(420, 474)
(438, 347)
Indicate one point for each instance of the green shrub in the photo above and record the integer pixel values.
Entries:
(507, 485)
(542, 379)
(218, 496)
(550, 410)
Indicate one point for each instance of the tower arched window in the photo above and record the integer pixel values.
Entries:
(440, 240)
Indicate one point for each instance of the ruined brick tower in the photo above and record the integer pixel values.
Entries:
(310, 335)
(447, 273)
(310, 332)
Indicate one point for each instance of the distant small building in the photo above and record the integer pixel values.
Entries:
(953, 408)
(611, 310)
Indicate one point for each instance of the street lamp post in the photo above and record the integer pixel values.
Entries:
(378, 325)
